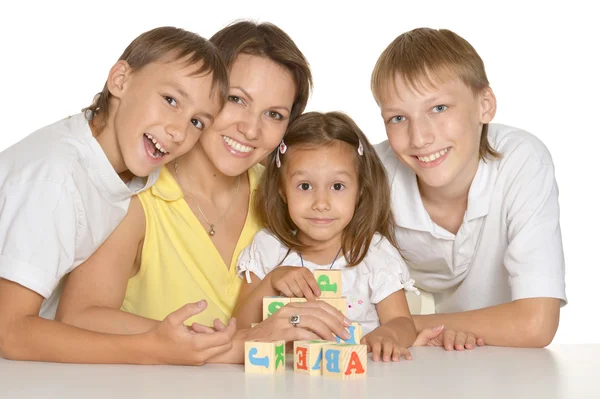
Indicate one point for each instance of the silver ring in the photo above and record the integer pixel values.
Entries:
(295, 320)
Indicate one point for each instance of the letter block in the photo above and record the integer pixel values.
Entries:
(344, 361)
(294, 300)
(308, 356)
(338, 303)
(355, 330)
(272, 304)
(330, 283)
(264, 357)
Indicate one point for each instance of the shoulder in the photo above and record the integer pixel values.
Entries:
(517, 145)
(267, 240)
(50, 154)
(382, 251)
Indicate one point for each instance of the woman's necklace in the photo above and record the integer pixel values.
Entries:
(334, 259)
(212, 230)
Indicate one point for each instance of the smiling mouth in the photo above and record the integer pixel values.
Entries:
(239, 147)
(434, 156)
(153, 147)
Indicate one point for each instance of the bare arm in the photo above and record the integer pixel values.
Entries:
(393, 313)
(248, 309)
(95, 290)
(528, 322)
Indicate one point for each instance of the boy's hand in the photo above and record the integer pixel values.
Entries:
(177, 343)
(449, 339)
(384, 345)
(294, 281)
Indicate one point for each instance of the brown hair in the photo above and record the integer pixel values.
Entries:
(422, 55)
(267, 40)
(159, 43)
(373, 211)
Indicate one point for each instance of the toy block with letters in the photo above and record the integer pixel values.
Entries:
(308, 356)
(330, 283)
(295, 300)
(344, 361)
(264, 357)
(272, 304)
(355, 330)
(338, 303)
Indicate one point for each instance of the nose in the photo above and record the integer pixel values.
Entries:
(250, 126)
(420, 133)
(176, 130)
(321, 200)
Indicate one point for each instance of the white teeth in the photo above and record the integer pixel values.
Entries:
(237, 146)
(433, 156)
(156, 143)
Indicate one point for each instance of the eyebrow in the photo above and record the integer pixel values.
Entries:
(251, 99)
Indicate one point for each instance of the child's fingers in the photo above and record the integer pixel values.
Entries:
(283, 288)
(401, 352)
(218, 325)
(309, 277)
(449, 336)
(480, 342)
(294, 287)
(471, 341)
(201, 329)
(460, 341)
(387, 350)
(376, 349)
(305, 288)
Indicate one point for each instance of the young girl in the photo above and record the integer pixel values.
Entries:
(66, 187)
(324, 200)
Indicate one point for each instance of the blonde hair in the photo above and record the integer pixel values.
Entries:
(159, 43)
(267, 40)
(373, 212)
(421, 56)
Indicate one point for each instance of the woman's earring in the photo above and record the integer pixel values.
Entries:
(280, 150)
(361, 150)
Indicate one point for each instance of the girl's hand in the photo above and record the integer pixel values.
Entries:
(295, 282)
(384, 345)
(449, 339)
(318, 320)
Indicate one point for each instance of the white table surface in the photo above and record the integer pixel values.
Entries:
(562, 371)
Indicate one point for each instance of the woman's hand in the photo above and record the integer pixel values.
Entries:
(384, 345)
(294, 281)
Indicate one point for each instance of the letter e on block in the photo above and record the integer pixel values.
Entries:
(308, 356)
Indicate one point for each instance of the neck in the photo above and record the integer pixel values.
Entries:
(107, 139)
(320, 252)
(457, 192)
(199, 175)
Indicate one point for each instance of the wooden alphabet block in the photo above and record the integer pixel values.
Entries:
(344, 361)
(272, 304)
(338, 303)
(330, 283)
(355, 330)
(294, 300)
(264, 357)
(308, 356)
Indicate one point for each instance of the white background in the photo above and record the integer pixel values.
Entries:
(540, 59)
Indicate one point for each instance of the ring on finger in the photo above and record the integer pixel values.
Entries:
(295, 319)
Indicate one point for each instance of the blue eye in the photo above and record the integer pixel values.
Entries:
(304, 186)
(397, 119)
(440, 108)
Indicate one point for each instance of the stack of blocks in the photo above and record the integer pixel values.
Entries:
(346, 359)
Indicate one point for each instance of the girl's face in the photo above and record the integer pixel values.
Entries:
(321, 189)
(255, 116)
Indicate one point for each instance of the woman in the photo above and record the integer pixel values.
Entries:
(180, 241)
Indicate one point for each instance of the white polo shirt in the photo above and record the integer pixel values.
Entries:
(60, 198)
(509, 245)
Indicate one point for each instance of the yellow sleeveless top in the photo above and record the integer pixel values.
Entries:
(179, 262)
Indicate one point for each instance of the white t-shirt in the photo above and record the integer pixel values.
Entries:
(60, 198)
(381, 273)
(509, 245)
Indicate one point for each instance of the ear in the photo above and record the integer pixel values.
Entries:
(117, 77)
(487, 105)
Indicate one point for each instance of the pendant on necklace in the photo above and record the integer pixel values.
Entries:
(212, 230)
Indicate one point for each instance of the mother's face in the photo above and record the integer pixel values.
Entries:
(254, 118)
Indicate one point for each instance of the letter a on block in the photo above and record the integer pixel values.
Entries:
(354, 365)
